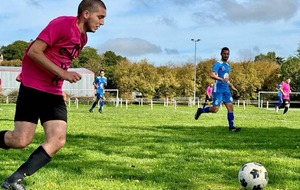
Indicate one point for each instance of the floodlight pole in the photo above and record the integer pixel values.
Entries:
(195, 59)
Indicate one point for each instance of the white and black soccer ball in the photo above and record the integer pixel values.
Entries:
(253, 176)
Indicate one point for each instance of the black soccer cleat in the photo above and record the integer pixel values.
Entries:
(16, 185)
(234, 129)
(90, 110)
(198, 113)
(100, 110)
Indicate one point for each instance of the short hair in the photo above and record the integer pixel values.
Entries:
(90, 5)
(224, 49)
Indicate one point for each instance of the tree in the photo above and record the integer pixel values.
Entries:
(185, 78)
(146, 78)
(109, 61)
(291, 68)
(87, 54)
(270, 56)
(298, 51)
(12, 63)
(14, 50)
(125, 77)
(203, 75)
(268, 73)
(167, 82)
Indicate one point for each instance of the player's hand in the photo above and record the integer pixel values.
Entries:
(71, 76)
(233, 88)
(226, 80)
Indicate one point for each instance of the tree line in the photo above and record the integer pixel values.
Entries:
(265, 72)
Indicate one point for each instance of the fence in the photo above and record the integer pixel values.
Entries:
(120, 102)
(269, 99)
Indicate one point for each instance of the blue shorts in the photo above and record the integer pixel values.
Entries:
(219, 97)
(99, 95)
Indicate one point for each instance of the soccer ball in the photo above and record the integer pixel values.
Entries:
(253, 176)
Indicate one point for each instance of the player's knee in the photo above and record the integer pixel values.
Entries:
(60, 142)
(21, 142)
(214, 109)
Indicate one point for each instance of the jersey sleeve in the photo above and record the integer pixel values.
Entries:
(53, 32)
(96, 81)
(216, 67)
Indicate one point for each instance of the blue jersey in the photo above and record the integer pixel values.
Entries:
(100, 82)
(279, 91)
(222, 69)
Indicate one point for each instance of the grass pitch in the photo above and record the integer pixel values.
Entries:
(163, 148)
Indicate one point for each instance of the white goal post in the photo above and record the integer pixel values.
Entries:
(261, 100)
(117, 95)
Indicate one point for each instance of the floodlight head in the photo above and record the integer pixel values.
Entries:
(195, 40)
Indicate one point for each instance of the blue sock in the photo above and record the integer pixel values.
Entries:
(230, 118)
(101, 104)
(205, 110)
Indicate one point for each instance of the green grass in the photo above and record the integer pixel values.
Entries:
(163, 148)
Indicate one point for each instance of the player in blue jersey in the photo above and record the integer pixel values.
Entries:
(221, 92)
(279, 96)
(99, 84)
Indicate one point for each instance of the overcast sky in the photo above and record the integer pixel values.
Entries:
(161, 30)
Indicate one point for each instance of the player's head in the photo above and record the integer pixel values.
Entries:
(288, 80)
(92, 14)
(225, 52)
(101, 73)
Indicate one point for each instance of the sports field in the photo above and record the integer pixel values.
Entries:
(163, 148)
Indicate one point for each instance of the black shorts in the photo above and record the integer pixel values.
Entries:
(286, 101)
(207, 98)
(33, 105)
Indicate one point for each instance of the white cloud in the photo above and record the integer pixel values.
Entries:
(160, 30)
(130, 47)
(259, 10)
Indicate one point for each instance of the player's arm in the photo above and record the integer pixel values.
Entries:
(282, 91)
(231, 86)
(36, 53)
(214, 76)
(95, 85)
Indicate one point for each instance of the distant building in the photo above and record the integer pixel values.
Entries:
(83, 88)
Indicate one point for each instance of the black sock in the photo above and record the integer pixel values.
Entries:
(36, 160)
(94, 105)
(2, 142)
(285, 110)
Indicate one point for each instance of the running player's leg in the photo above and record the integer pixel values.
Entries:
(230, 114)
(286, 105)
(102, 98)
(54, 121)
(95, 102)
(216, 101)
(277, 106)
(26, 118)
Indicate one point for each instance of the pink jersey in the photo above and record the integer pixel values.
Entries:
(209, 90)
(64, 44)
(286, 90)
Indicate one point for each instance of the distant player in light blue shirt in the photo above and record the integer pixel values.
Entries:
(221, 92)
(279, 96)
(99, 84)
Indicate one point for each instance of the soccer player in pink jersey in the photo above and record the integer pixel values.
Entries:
(208, 94)
(44, 68)
(286, 90)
